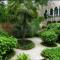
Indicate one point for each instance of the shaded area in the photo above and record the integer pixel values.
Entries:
(25, 44)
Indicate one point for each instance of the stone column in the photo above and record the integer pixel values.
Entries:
(53, 15)
(58, 11)
(53, 12)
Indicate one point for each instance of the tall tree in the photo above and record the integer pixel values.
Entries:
(24, 11)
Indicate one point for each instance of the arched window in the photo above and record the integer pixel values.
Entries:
(51, 12)
(56, 11)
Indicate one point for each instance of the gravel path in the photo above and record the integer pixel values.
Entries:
(35, 53)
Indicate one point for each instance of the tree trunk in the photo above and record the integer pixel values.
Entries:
(24, 26)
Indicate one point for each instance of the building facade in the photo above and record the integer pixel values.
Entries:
(53, 5)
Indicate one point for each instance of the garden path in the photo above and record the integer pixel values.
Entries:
(35, 53)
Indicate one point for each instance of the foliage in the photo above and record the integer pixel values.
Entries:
(31, 29)
(15, 13)
(4, 33)
(25, 45)
(42, 2)
(18, 32)
(9, 54)
(54, 26)
(35, 26)
(2, 12)
(49, 37)
(22, 16)
(52, 54)
(7, 43)
(12, 11)
(22, 57)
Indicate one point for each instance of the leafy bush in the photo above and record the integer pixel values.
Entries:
(54, 26)
(22, 57)
(4, 33)
(49, 36)
(52, 54)
(7, 44)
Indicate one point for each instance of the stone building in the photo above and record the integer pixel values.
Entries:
(52, 5)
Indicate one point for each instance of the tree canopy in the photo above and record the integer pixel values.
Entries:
(42, 2)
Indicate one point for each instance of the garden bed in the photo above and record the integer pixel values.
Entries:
(25, 44)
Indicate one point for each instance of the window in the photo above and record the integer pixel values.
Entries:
(56, 11)
(51, 12)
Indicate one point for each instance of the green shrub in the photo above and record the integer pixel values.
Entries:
(4, 33)
(54, 26)
(52, 54)
(7, 44)
(49, 37)
(22, 57)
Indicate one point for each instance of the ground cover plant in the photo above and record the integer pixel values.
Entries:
(52, 53)
(22, 56)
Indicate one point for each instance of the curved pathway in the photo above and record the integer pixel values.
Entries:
(35, 53)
